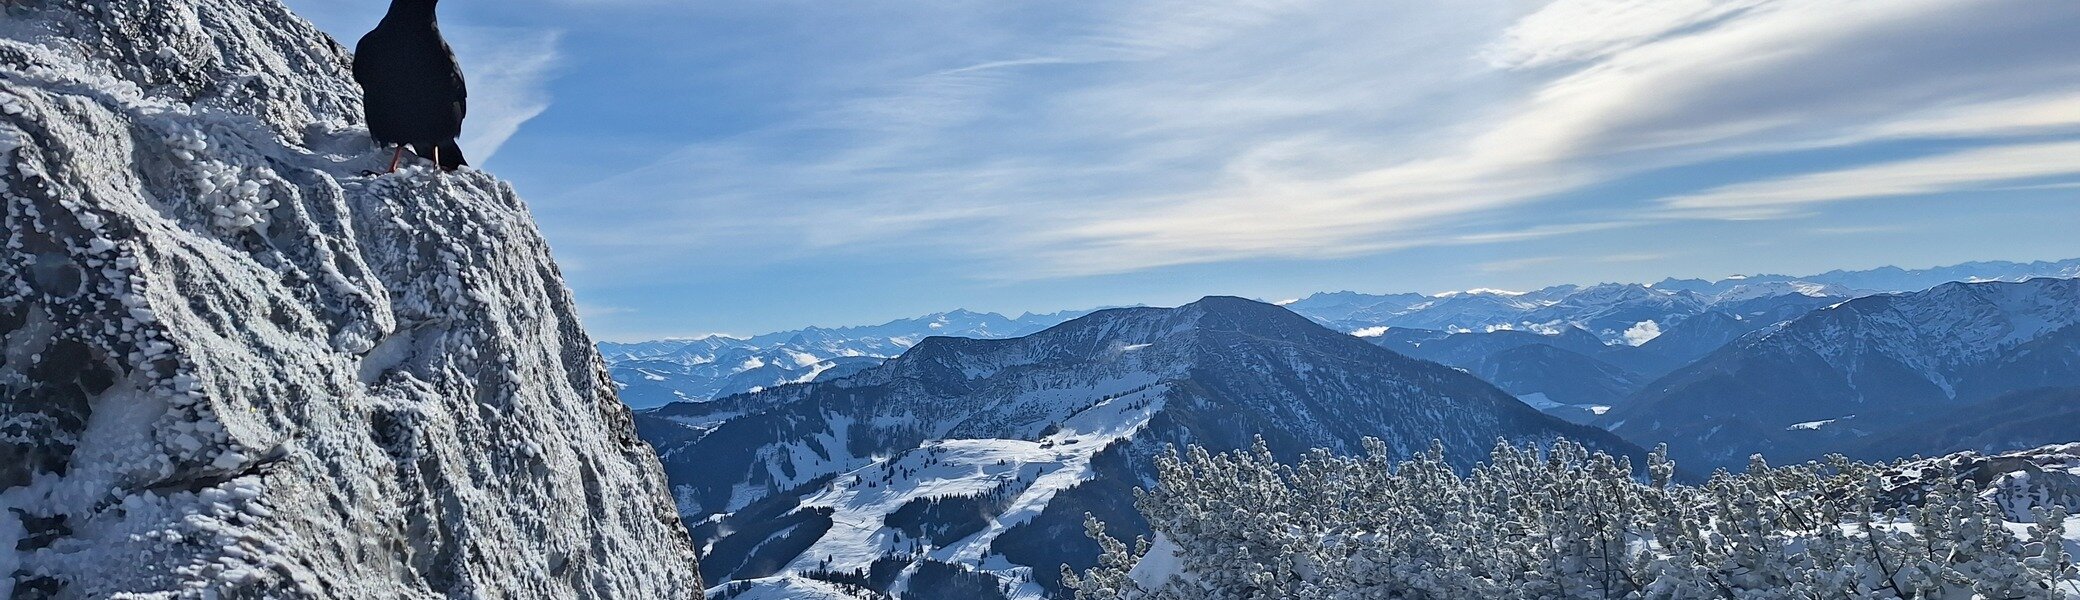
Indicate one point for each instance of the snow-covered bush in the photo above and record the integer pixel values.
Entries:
(1568, 523)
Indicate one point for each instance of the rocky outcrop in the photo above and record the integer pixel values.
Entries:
(233, 365)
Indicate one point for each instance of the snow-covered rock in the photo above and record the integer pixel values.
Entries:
(235, 367)
(2017, 481)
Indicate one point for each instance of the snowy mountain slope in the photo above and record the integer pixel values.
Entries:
(1609, 310)
(1559, 373)
(2022, 419)
(652, 382)
(1693, 337)
(1895, 278)
(984, 454)
(660, 372)
(1464, 349)
(1887, 360)
(789, 587)
(1883, 279)
(235, 368)
(1333, 307)
(1644, 332)
(1578, 382)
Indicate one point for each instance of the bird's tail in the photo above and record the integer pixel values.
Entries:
(447, 153)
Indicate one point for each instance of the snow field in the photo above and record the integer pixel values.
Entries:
(968, 466)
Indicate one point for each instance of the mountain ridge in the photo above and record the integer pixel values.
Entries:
(1062, 421)
(1859, 368)
(659, 372)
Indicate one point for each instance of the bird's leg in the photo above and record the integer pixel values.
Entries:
(437, 168)
(399, 155)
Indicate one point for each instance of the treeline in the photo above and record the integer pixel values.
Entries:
(1566, 523)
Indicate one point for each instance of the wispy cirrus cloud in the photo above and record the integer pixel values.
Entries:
(937, 149)
(1121, 138)
(1950, 172)
(1566, 31)
(509, 74)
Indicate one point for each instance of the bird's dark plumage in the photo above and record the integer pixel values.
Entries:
(412, 85)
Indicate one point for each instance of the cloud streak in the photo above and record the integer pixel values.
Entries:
(1956, 171)
(1120, 138)
(510, 70)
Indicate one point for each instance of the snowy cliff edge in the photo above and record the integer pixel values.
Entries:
(232, 365)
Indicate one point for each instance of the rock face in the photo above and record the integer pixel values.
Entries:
(233, 366)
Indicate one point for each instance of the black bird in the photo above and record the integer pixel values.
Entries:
(413, 87)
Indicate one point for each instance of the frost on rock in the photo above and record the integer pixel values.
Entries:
(231, 365)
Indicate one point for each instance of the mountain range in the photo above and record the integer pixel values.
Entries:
(962, 466)
(981, 457)
(1671, 323)
(659, 372)
(1618, 313)
(1877, 366)
(239, 363)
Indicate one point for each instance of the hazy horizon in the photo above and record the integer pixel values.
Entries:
(1282, 299)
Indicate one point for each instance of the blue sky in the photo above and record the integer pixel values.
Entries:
(742, 167)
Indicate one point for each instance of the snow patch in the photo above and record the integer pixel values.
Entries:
(968, 466)
(783, 587)
(1816, 425)
(1481, 292)
(1540, 401)
(1162, 562)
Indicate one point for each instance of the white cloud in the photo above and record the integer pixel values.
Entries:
(1371, 332)
(508, 71)
(2050, 113)
(1968, 169)
(1574, 30)
(1775, 77)
(1124, 137)
(1642, 332)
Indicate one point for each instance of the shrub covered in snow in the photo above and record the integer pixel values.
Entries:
(1568, 523)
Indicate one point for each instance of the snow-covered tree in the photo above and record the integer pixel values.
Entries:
(1565, 522)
